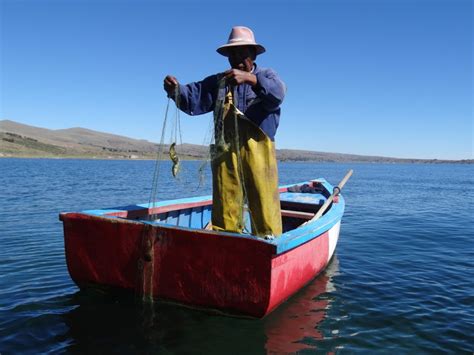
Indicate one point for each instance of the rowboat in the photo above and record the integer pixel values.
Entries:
(164, 250)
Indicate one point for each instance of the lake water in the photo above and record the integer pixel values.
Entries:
(401, 280)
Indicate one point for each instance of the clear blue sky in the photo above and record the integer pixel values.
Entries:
(374, 77)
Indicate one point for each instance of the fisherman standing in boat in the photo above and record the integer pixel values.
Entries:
(247, 100)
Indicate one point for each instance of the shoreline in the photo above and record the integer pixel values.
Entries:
(388, 161)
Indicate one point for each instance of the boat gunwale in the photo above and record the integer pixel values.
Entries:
(287, 241)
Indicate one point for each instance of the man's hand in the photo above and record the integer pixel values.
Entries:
(170, 84)
(237, 77)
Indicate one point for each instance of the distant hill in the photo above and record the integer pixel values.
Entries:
(20, 140)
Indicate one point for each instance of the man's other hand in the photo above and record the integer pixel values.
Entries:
(237, 77)
(170, 84)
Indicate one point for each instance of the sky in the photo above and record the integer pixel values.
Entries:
(373, 77)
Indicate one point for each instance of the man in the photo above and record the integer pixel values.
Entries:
(247, 98)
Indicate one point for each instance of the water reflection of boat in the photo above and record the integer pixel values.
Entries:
(300, 317)
(116, 323)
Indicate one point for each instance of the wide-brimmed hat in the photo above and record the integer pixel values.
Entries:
(240, 36)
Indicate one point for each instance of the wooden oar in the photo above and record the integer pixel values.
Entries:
(336, 192)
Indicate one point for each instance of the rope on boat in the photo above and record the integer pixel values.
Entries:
(145, 270)
(159, 157)
(245, 204)
(175, 130)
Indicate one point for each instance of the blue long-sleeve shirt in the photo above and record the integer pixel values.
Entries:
(261, 103)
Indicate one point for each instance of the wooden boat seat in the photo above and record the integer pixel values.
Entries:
(297, 214)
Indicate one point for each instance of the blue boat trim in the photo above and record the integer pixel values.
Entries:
(287, 241)
(303, 234)
(142, 206)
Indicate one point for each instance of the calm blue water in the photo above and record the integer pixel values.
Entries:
(401, 281)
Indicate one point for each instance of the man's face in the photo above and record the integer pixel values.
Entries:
(241, 58)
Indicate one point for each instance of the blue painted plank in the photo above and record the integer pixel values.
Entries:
(175, 202)
(206, 215)
(196, 218)
(185, 217)
(173, 218)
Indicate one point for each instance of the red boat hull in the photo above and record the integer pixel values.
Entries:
(199, 268)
